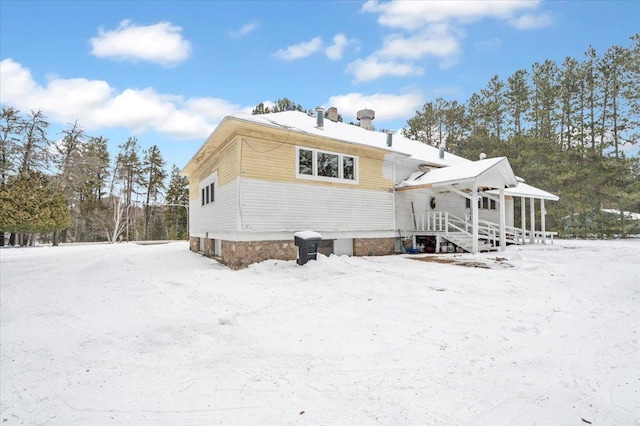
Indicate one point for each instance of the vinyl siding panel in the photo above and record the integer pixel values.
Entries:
(216, 217)
(273, 206)
(221, 215)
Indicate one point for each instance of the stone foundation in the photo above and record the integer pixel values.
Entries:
(240, 254)
(194, 244)
(209, 247)
(373, 246)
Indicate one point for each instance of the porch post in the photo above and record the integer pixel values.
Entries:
(532, 214)
(474, 217)
(543, 213)
(523, 218)
(503, 215)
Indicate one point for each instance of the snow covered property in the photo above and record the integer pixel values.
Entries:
(125, 334)
(258, 179)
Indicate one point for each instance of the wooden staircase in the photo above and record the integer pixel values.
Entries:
(465, 242)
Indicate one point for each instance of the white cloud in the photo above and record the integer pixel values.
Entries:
(97, 105)
(300, 50)
(160, 43)
(244, 30)
(372, 68)
(334, 51)
(412, 15)
(434, 28)
(531, 21)
(436, 40)
(386, 106)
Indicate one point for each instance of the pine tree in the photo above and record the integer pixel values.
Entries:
(128, 174)
(177, 195)
(155, 174)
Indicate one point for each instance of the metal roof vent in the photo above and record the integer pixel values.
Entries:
(483, 155)
(365, 116)
(320, 117)
(389, 137)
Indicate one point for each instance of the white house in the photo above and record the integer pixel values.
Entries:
(258, 179)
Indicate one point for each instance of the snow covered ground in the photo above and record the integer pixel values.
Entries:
(130, 334)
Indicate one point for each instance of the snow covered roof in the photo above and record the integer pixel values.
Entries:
(303, 123)
(527, 191)
(491, 173)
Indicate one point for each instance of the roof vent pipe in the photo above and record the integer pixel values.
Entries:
(365, 116)
(441, 152)
(483, 155)
(389, 137)
(320, 117)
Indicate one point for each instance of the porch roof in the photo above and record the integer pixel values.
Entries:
(489, 173)
(527, 191)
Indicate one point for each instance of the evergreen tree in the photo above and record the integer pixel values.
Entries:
(177, 194)
(30, 203)
(155, 174)
(128, 174)
(33, 150)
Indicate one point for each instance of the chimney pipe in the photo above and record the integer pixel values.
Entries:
(320, 117)
(332, 114)
(389, 137)
(441, 152)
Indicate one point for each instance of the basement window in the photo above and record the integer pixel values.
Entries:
(328, 166)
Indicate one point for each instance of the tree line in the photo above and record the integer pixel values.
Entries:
(71, 190)
(564, 127)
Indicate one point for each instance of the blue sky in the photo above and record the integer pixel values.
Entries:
(167, 71)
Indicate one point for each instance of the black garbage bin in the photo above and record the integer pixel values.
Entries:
(307, 243)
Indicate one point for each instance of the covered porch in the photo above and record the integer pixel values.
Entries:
(490, 181)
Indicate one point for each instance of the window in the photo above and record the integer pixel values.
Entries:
(484, 203)
(305, 162)
(348, 168)
(327, 166)
(208, 191)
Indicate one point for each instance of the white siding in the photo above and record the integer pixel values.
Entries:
(219, 216)
(272, 206)
(445, 202)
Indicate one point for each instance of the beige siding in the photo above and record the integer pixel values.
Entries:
(274, 160)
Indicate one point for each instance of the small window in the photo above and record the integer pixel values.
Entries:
(493, 204)
(327, 165)
(305, 162)
(485, 203)
(208, 193)
(467, 203)
(347, 168)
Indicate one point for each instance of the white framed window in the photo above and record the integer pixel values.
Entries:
(208, 189)
(317, 164)
(484, 203)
